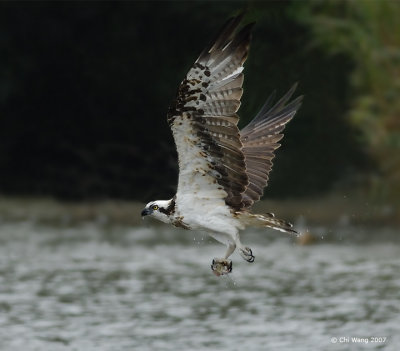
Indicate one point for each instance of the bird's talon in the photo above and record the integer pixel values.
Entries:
(221, 266)
(247, 254)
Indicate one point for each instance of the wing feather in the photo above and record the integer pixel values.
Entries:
(260, 139)
(215, 160)
(203, 120)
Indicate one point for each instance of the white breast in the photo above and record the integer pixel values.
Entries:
(199, 199)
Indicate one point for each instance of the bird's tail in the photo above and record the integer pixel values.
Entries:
(267, 220)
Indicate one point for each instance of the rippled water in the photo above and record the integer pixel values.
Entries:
(103, 287)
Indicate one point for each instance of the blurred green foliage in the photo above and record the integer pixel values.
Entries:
(369, 33)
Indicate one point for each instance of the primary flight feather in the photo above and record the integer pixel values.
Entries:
(222, 171)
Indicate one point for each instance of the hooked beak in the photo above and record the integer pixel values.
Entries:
(146, 212)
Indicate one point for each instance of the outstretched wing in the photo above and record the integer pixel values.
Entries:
(203, 120)
(260, 139)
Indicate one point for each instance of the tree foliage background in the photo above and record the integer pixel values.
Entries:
(85, 86)
(369, 34)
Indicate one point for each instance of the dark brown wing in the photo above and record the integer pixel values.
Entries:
(203, 120)
(260, 139)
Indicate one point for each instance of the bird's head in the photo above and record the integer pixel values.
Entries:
(160, 209)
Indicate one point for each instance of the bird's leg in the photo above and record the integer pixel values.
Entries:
(244, 251)
(230, 249)
(221, 266)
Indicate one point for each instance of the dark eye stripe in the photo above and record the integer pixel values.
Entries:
(170, 209)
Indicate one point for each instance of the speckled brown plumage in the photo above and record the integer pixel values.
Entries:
(208, 99)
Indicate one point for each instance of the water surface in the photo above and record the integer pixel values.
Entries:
(96, 286)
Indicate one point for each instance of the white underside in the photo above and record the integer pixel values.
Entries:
(217, 220)
(200, 201)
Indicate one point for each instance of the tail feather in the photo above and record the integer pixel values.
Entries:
(258, 220)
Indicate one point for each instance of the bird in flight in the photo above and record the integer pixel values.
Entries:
(222, 170)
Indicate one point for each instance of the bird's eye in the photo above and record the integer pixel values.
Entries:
(155, 207)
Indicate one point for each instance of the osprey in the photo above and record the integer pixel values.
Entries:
(222, 171)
